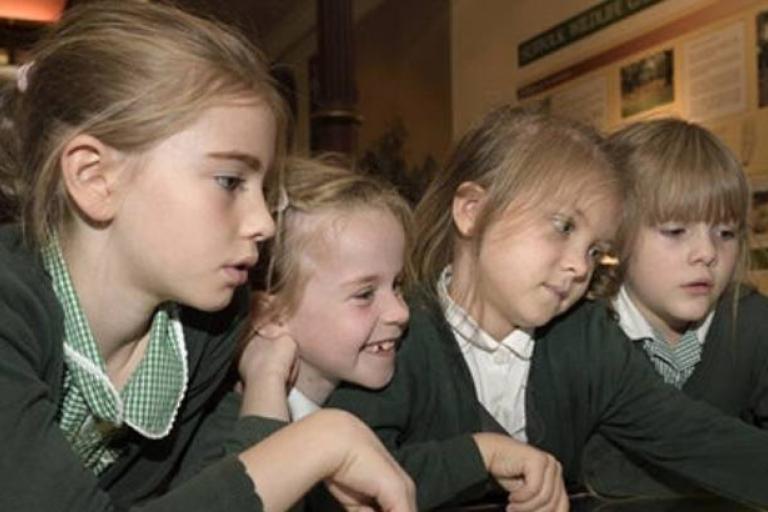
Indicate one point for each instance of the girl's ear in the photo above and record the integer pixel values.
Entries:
(467, 204)
(89, 173)
(268, 319)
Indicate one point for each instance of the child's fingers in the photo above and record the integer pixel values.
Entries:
(392, 491)
(268, 358)
(559, 503)
(540, 488)
(372, 477)
(400, 496)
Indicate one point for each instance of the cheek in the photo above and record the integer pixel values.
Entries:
(578, 292)
(729, 261)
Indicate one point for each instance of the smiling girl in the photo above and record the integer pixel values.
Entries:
(331, 295)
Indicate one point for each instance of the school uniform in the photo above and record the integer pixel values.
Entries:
(731, 373)
(50, 460)
(584, 378)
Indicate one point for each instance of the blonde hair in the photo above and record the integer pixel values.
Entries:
(310, 187)
(520, 157)
(677, 171)
(128, 73)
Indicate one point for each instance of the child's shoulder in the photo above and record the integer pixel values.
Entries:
(751, 301)
(423, 304)
(585, 316)
(30, 314)
(588, 327)
(20, 267)
(750, 312)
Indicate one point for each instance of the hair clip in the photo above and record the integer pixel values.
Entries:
(22, 76)
(282, 200)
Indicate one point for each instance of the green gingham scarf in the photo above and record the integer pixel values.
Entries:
(92, 413)
(675, 364)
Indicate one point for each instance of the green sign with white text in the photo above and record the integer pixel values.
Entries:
(574, 28)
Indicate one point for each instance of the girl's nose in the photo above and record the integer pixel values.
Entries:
(396, 310)
(703, 247)
(258, 223)
(577, 261)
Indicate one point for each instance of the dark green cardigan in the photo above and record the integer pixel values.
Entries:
(584, 378)
(732, 375)
(185, 471)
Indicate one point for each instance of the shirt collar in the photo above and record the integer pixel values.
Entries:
(519, 341)
(300, 405)
(636, 327)
(150, 399)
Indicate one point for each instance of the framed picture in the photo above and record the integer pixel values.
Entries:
(762, 58)
(758, 232)
(647, 83)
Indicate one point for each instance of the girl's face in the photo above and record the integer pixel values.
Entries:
(351, 313)
(534, 266)
(191, 215)
(676, 272)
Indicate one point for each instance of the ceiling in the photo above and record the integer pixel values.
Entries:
(257, 18)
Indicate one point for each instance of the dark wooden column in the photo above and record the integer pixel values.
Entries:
(334, 117)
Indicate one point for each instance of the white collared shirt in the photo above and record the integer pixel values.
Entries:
(299, 405)
(499, 368)
(674, 363)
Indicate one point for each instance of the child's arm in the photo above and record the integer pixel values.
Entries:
(656, 422)
(332, 446)
(532, 477)
(428, 417)
(40, 472)
(267, 369)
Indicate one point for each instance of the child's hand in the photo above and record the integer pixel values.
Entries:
(532, 477)
(268, 367)
(367, 478)
(269, 355)
(335, 447)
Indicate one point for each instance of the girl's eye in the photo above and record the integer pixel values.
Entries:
(229, 182)
(672, 231)
(564, 225)
(364, 295)
(726, 233)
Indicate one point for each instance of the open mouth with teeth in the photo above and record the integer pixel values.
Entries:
(380, 347)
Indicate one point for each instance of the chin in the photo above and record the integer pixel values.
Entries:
(691, 316)
(210, 304)
(376, 381)
(542, 319)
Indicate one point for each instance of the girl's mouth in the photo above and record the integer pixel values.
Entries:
(384, 347)
(698, 287)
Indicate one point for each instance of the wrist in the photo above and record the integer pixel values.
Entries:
(487, 444)
(268, 399)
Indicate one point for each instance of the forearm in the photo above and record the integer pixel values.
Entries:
(445, 471)
(266, 398)
(332, 446)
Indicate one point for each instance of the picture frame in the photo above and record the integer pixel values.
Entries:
(647, 83)
(758, 231)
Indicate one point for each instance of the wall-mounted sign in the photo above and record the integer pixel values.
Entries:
(578, 26)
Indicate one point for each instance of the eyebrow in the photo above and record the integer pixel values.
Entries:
(358, 281)
(250, 160)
